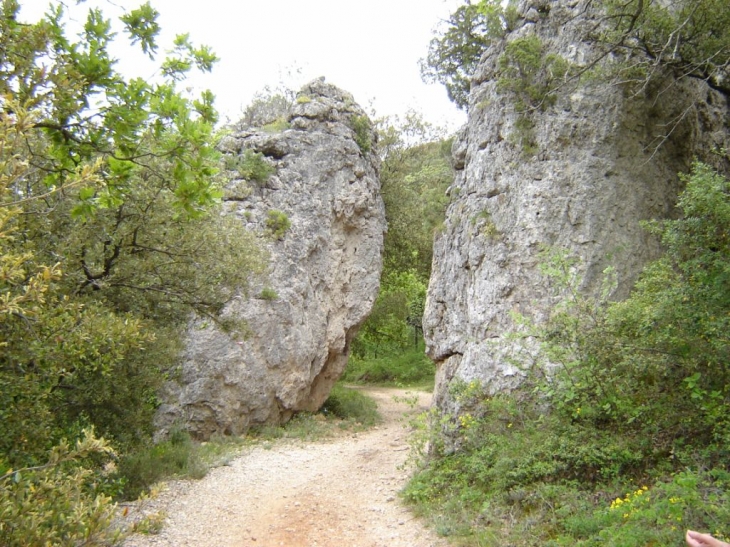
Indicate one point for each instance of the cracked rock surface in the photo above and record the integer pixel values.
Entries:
(578, 175)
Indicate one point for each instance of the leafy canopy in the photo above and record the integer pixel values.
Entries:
(414, 176)
(691, 38)
(110, 237)
(455, 51)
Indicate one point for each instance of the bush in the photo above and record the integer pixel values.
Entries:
(179, 456)
(656, 515)
(277, 223)
(267, 293)
(362, 127)
(251, 166)
(626, 442)
(57, 503)
(277, 126)
(409, 368)
(530, 75)
(351, 405)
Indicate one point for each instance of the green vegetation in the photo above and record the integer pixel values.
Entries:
(269, 109)
(414, 176)
(626, 442)
(252, 166)
(276, 126)
(267, 293)
(362, 128)
(178, 456)
(345, 409)
(55, 503)
(689, 37)
(454, 53)
(110, 238)
(529, 74)
(485, 225)
(277, 223)
(530, 77)
(352, 406)
(409, 367)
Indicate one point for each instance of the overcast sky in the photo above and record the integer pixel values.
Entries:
(370, 48)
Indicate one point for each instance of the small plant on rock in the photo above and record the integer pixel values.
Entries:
(530, 77)
(251, 166)
(362, 128)
(267, 293)
(277, 126)
(277, 223)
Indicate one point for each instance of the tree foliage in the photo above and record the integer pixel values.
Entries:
(454, 53)
(414, 176)
(642, 38)
(414, 179)
(530, 74)
(51, 504)
(110, 236)
(689, 37)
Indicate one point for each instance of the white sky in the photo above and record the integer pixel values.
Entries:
(370, 48)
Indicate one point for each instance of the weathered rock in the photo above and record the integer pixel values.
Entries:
(324, 277)
(606, 159)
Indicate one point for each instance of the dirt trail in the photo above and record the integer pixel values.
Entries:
(333, 493)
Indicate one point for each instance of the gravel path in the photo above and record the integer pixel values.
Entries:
(333, 493)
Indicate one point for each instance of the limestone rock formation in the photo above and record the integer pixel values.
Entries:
(321, 214)
(596, 162)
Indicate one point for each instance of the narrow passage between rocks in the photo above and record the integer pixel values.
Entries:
(330, 493)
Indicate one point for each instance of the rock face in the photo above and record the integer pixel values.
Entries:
(321, 214)
(602, 159)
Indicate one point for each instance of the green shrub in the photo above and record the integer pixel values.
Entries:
(530, 75)
(362, 127)
(485, 225)
(656, 514)
(524, 135)
(267, 293)
(268, 106)
(406, 368)
(277, 126)
(557, 480)
(351, 405)
(58, 503)
(277, 223)
(251, 166)
(179, 456)
(626, 442)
